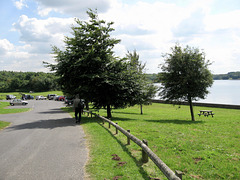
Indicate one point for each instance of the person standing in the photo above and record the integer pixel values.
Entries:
(77, 108)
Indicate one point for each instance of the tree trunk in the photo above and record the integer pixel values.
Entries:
(109, 114)
(87, 105)
(141, 108)
(191, 108)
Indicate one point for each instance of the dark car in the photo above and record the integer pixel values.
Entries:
(10, 97)
(69, 100)
(27, 96)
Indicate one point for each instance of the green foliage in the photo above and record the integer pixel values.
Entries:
(87, 66)
(27, 81)
(151, 77)
(185, 75)
(146, 90)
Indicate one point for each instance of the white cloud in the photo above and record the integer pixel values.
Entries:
(5, 46)
(72, 7)
(150, 27)
(41, 34)
(20, 4)
(36, 38)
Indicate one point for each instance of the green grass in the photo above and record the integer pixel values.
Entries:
(4, 124)
(208, 148)
(3, 105)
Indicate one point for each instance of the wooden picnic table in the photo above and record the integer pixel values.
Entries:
(206, 113)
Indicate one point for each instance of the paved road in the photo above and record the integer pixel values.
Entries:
(42, 144)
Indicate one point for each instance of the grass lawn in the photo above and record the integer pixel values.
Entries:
(208, 148)
(3, 124)
(8, 111)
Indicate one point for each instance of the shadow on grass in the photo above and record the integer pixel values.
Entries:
(121, 112)
(125, 149)
(176, 121)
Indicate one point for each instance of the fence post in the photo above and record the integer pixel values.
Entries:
(144, 154)
(116, 129)
(91, 113)
(179, 174)
(128, 139)
(109, 125)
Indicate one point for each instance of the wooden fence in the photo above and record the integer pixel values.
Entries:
(146, 151)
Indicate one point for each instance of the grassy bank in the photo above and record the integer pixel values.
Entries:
(3, 109)
(3, 105)
(205, 149)
(3, 124)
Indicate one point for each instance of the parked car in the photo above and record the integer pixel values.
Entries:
(18, 102)
(69, 100)
(56, 98)
(41, 98)
(51, 96)
(10, 97)
(61, 98)
(27, 96)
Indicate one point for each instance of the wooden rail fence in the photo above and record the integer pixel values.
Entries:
(146, 151)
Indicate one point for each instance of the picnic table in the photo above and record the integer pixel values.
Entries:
(206, 113)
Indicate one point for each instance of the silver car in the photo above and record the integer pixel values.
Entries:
(18, 102)
(40, 98)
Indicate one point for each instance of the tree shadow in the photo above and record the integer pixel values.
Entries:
(53, 111)
(120, 112)
(139, 163)
(176, 121)
(45, 124)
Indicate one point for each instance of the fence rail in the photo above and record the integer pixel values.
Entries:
(143, 144)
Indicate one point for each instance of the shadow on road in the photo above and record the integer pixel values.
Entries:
(46, 124)
(53, 111)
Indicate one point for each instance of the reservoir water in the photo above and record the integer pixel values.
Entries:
(222, 92)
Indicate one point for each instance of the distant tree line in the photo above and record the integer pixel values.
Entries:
(11, 81)
(228, 76)
(156, 78)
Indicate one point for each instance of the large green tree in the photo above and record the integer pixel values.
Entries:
(87, 66)
(185, 76)
(147, 89)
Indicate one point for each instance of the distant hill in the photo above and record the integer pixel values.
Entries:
(11, 81)
(156, 78)
(228, 76)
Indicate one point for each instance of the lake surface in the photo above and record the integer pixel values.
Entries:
(223, 92)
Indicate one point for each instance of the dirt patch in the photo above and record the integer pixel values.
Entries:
(197, 160)
(116, 157)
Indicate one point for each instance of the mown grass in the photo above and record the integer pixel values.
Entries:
(3, 105)
(3, 109)
(208, 148)
(3, 124)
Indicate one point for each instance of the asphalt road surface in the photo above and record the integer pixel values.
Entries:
(42, 144)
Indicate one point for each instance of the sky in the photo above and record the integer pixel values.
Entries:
(29, 29)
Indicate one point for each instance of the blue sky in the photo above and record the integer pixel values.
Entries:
(28, 29)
